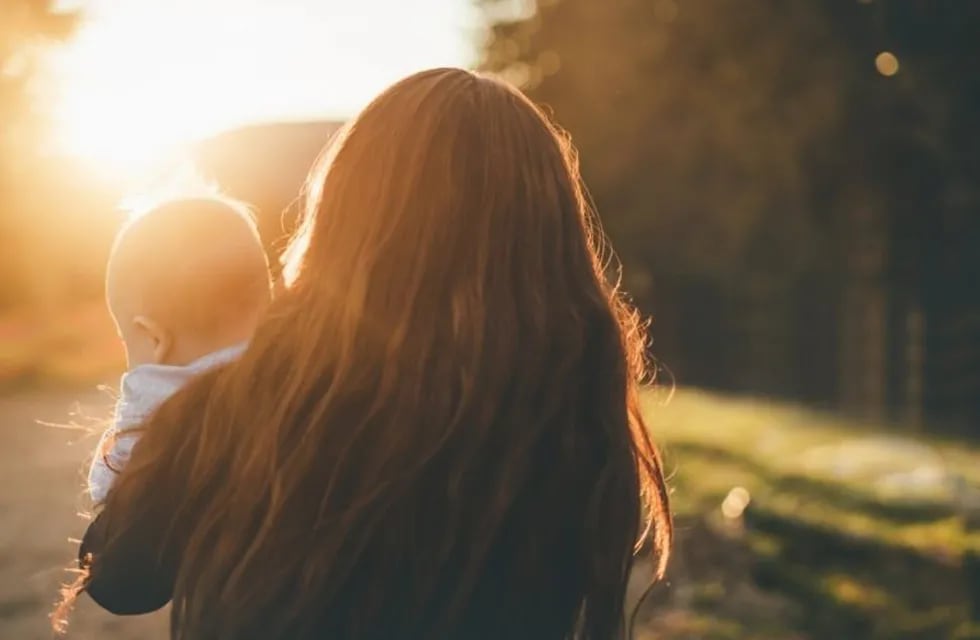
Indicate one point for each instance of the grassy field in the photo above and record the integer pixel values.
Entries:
(791, 524)
(795, 524)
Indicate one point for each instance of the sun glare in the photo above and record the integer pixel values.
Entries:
(102, 108)
(120, 145)
(141, 79)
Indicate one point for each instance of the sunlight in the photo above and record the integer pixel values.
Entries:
(92, 121)
(141, 79)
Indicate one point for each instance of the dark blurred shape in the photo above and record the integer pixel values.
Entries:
(265, 165)
(799, 221)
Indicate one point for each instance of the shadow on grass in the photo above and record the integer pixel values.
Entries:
(845, 584)
(858, 587)
(842, 496)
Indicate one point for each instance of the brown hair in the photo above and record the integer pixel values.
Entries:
(436, 432)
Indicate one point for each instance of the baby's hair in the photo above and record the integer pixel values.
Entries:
(184, 182)
(186, 186)
(194, 261)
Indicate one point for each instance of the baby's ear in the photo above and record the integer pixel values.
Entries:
(161, 339)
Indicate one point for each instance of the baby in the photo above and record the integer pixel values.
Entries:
(186, 285)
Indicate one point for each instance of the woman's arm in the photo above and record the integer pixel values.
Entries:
(132, 550)
(130, 568)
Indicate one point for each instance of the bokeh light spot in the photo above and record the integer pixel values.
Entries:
(735, 502)
(886, 63)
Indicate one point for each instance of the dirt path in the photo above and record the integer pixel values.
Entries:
(41, 494)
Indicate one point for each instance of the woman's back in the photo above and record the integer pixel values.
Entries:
(435, 433)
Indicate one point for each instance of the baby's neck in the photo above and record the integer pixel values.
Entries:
(191, 356)
(189, 349)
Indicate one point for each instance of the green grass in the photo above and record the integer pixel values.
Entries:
(784, 456)
(850, 553)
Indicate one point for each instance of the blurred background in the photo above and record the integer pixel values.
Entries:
(793, 188)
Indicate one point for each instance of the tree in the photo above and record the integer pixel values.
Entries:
(768, 189)
(26, 28)
(693, 119)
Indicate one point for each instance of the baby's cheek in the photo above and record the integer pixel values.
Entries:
(139, 350)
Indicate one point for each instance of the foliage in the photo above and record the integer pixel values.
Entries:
(721, 136)
(27, 28)
(694, 120)
(764, 183)
(818, 551)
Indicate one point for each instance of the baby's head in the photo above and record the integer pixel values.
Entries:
(185, 279)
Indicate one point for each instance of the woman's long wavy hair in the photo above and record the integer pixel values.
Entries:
(436, 432)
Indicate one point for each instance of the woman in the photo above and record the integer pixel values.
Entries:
(436, 432)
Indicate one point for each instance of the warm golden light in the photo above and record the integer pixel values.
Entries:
(141, 78)
(123, 103)
(116, 143)
(886, 63)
